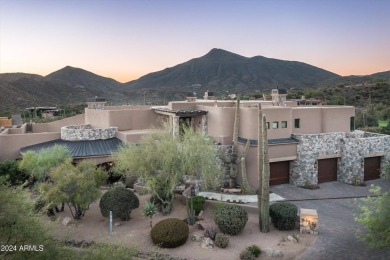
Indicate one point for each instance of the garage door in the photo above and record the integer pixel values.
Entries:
(327, 170)
(372, 167)
(279, 172)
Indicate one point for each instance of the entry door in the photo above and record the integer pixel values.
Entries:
(279, 173)
(327, 170)
(372, 167)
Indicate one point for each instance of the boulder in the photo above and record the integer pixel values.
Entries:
(273, 252)
(207, 243)
(67, 221)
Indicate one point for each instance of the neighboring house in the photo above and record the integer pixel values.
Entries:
(307, 144)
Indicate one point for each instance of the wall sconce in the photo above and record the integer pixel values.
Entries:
(308, 220)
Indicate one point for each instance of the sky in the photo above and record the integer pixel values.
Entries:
(126, 39)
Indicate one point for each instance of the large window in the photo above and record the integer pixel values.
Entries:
(352, 123)
(297, 123)
(275, 125)
(267, 125)
(284, 124)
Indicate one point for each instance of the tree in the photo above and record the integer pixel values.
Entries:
(162, 160)
(38, 164)
(374, 215)
(14, 174)
(77, 186)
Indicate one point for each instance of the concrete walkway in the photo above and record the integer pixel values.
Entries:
(336, 208)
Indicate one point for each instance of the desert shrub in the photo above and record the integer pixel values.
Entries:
(255, 250)
(283, 215)
(198, 203)
(15, 175)
(246, 255)
(210, 232)
(120, 201)
(222, 240)
(231, 219)
(170, 233)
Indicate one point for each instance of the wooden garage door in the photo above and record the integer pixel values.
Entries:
(372, 167)
(279, 172)
(327, 170)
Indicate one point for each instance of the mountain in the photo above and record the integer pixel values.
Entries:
(83, 79)
(221, 71)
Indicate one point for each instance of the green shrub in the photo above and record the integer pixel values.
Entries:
(231, 219)
(170, 233)
(246, 255)
(120, 201)
(221, 240)
(255, 250)
(15, 175)
(198, 203)
(283, 215)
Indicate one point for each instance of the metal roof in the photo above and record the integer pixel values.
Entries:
(80, 149)
(270, 141)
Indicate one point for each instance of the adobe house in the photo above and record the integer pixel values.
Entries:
(308, 144)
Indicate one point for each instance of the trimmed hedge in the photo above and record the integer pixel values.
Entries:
(170, 233)
(120, 201)
(231, 219)
(283, 215)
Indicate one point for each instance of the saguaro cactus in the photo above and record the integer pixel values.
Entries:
(245, 187)
(263, 165)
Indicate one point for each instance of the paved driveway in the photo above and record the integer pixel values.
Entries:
(337, 227)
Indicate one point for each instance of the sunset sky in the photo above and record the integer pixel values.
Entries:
(128, 39)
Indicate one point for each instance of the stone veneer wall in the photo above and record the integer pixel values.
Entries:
(86, 132)
(355, 148)
(351, 149)
(305, 168)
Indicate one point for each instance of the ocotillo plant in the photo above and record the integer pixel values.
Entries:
(263, 165)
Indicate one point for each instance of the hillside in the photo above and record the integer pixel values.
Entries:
(222, 71)
(219, 70)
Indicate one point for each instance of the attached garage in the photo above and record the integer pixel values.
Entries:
(279, 173)
(327, 170)
(372, 166)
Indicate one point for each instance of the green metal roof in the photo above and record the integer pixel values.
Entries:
(80, 149)
(270, 141)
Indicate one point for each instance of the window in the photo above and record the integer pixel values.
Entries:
(296, 123)
(284, 124)
(352, 124)
(275, 125)
(267, 125)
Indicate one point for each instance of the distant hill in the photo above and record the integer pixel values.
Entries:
(221, 71)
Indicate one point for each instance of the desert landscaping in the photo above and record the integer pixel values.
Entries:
(136, 233)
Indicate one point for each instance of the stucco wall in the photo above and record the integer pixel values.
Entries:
(220, 123)
(336, 119)
(278, 114)
(310, 120)
(10, 144)
(55, 126)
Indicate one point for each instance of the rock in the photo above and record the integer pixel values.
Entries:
(273, 252)
(70, 242)
(201, 215)
(196, 237)
(207, 243)
(292, 239)
(117, 224)
(200, 227)
(67, 221)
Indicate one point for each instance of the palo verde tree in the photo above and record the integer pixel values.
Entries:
(374, 214)
(162, 160)
(77, 186)
(38, 164)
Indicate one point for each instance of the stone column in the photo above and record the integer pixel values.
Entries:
(175, 125)
(204, 125)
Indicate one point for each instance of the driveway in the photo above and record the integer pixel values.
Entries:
(336, 205)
